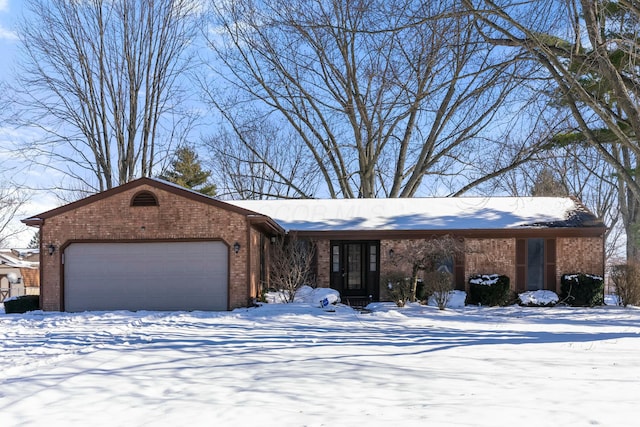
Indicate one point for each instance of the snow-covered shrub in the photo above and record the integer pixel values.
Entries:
(539, 298)
(22, 304)
(456, 300)
(438, 285)
(626, 280)
(582, 290)
(398, 287)
(489, 290)
(320, 297)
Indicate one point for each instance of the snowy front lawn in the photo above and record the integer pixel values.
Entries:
(298, 365)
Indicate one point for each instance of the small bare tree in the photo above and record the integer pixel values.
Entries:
(398, 287)
(439, 284)
(291, 263)
(11, 200)
(428, 255)
(626, 279)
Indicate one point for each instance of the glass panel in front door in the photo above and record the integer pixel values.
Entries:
(354, 267)
(535, 264)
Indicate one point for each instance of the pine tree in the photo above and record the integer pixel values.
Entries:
(35, 241)
(186, 171)
(546, 184)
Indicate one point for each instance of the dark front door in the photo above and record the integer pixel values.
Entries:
(354, 270)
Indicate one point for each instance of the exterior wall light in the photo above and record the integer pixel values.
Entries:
(52, 249)
(391, 253)
(236, 247)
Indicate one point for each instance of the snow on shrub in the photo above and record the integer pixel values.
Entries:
(489, 290)
(484, 279)
(539, 298)
(582, 290)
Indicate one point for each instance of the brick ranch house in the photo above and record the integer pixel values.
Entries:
(151, 245)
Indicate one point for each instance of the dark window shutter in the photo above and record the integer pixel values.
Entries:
(521, 265)
(458, 272)
(550, 265)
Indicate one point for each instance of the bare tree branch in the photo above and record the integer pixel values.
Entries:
(378, 97)
(101, 81)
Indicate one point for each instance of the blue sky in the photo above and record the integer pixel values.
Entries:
(11, 168)
(9, 14)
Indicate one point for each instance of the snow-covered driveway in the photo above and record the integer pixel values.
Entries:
(294, 365)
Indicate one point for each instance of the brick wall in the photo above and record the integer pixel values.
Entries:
(490, 256)
(323, 262)
(579, 255)
(482, 256)
(176, 217)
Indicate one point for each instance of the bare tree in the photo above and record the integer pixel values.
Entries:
(439, 285)
(377, 100)
(101, 81)
(11, 200)
(590, 50)
(578, 170)
(291, 265)
(258, 160)
(430, 255)
(584, 173)
(626, 282)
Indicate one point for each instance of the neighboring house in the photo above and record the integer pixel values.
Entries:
(19, 266)
(152, 245)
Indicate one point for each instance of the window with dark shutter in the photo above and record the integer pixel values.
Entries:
(144, 198)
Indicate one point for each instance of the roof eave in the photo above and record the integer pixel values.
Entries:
(266, 224)
(32, 222)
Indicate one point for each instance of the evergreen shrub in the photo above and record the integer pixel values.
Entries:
(490, 290)
(22, 304)
(582, 290)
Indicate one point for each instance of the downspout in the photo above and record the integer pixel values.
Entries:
(248, 260)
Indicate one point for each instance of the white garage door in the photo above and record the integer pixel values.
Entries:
(146, 276)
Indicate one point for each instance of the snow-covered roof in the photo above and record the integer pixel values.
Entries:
(448, 213)
(15, 258)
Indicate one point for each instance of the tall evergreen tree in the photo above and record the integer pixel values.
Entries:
(548, 185)
(186, 170)
(34, 243)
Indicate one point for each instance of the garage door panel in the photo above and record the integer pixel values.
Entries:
(146, 276)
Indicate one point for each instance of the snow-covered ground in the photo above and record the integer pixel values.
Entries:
(297, 365)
